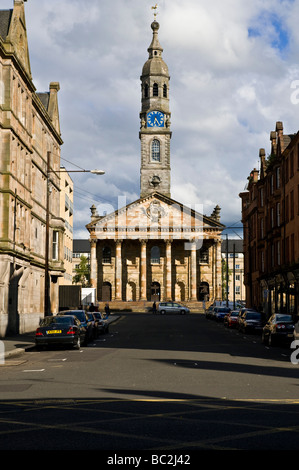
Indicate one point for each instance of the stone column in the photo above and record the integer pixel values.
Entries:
(143, 270)
(168, 270)
(93, 264)
(193, 276)
(118, 270)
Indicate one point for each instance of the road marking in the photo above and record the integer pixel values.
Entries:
(34, 370)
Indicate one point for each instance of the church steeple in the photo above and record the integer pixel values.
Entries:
(155, 131)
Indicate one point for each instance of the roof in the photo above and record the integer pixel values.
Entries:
(5, 18)
(44, 97)
(238, 246)
(81, 246)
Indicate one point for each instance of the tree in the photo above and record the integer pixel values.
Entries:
(82, 275)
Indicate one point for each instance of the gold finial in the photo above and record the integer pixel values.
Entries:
(155, 13)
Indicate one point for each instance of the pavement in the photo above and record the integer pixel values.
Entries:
(16, 345)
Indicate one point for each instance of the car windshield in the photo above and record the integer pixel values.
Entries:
(56, 320)
(224, 309)
(234, 313)
(253, 316)
(80, 314)
(284, 317)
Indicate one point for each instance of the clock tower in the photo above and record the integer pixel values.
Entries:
(155, 131)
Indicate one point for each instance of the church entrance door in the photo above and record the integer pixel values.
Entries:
(106, 292)
(155, 292)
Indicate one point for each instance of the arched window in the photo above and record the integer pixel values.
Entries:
(156, 150)
(155, 89)
(155, 255)
(106, 254)
(165, 91)
(146, 90)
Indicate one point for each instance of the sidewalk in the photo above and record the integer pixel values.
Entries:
(15, 345)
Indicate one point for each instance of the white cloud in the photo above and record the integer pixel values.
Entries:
(231, 63)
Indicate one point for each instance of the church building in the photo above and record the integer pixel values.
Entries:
(155, 248)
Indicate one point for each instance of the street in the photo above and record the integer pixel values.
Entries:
(173, 384)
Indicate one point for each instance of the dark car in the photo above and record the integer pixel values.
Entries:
(103, 324)
(209, 311)
(231, 319)
(278, 329)
(60, 330)
(250, 322)
(94, 323)
(219, 313)
(85, 322)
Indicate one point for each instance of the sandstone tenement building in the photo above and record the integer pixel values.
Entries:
(270, 214)
(30, 142)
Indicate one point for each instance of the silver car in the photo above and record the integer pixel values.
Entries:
(172, 307)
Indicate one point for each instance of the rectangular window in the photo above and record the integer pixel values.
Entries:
(278, 214)
(291, 205)
(278, 253)
(278, 177)
(291, 164)
(55, 245)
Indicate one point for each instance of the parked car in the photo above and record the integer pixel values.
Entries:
(103, 324)
(231, 319)
(209, 311)
(85, 322)
(172, 307)
(278, 329)
(250, 322)
(94, 323)
(219, 313)
(60, 330)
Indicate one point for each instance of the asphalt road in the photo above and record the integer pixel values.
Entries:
(168, 385)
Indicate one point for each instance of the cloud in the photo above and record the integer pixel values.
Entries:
(231, 63)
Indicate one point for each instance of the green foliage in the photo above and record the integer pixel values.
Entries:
(82, 275)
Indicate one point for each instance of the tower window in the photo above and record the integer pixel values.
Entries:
(165, 91)
(156, 150)
(155, 89)
(146, 90)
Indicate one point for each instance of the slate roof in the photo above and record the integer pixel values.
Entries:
(238, 246)
(5, 18)
(81, 246)
(44, 97)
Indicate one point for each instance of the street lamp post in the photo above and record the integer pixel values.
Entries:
(47, 281)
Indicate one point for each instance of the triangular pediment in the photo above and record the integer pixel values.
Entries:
(154, 215)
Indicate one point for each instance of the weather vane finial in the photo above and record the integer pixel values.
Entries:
(155, 11)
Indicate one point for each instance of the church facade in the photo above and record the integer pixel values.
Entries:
(155, 248)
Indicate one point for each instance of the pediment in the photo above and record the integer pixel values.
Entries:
(154, 215)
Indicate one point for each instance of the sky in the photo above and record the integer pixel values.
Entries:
(234, 69)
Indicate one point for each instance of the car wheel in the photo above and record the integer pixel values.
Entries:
(162, 312)
(183, 312)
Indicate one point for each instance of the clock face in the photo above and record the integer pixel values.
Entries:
(155, 119)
